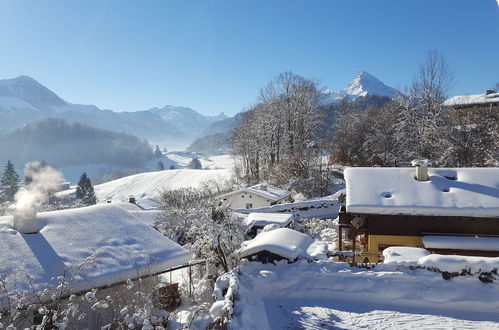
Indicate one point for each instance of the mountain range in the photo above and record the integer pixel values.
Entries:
(23, 100)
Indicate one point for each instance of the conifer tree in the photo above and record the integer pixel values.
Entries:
(195, 164)
(10, 182)
(157, 152)
(85, 191)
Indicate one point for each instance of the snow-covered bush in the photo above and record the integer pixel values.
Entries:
(324, 229)
(195, 220)
(225, 292)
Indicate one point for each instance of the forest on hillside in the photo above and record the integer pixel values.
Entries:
(62, 143)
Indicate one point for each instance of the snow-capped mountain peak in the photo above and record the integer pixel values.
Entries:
(363, 84)
(366, 84)
(27, 89)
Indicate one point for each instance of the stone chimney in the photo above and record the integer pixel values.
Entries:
(25, 221)
(263, 187)
(421, 169)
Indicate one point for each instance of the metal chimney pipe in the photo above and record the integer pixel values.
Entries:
(421, 169)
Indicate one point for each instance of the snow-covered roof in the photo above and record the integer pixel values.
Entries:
(472, 192)
(462, 243)
(264, 219)
(266, 191)
(284, 242)
(124, 248)
(463, 100)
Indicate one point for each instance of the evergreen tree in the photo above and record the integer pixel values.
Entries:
(10, 182)
(160, 166)
(157, 152)
(85, 191)
(195, 164)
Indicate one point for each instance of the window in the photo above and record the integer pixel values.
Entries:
(249, 205)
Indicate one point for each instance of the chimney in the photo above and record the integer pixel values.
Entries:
(263, 187)
(421, 169)
(25, 221)
(131, 200)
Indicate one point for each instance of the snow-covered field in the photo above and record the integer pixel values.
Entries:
(178, 160)
(151, 184)
(327, 295)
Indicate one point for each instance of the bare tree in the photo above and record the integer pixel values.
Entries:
(429, 91)
(279, 136)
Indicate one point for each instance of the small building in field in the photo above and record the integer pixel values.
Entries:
(282, 244)
(445, 210)
(260, 195)
(255, 222)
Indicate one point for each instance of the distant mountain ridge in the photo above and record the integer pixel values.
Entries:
(23, 100)
(185, 119)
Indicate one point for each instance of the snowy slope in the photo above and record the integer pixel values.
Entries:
(363, 84)
(151, 184)
(123, 248)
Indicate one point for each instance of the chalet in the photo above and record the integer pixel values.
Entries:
(282, 244)
(260, 195)
(445, 210)
(487, 101)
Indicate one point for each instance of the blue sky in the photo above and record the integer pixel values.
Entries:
(214, 56)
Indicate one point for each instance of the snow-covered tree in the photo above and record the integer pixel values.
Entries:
(473, 138)
(193, 218)
(277, 139)
(85, 191)
(10, 182)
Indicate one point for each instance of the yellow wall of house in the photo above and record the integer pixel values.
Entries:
(376, 240)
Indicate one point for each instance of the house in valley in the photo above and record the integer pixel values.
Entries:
(444, 210)
(260, 195)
